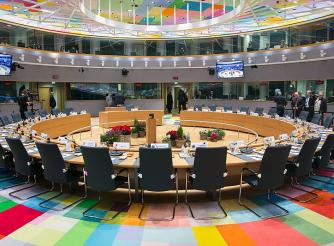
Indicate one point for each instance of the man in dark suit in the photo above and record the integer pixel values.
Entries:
(309, 105)
(280, 104)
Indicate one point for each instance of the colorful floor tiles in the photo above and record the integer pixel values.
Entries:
(25, 223)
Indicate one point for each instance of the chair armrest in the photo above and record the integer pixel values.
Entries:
(248, 170)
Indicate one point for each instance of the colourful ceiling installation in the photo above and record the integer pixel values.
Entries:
(161, 19)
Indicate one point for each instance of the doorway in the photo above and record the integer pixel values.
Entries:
(44, 97)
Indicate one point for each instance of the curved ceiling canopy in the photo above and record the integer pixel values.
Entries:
(161, 19)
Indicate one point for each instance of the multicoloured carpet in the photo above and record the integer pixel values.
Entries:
(307, 224)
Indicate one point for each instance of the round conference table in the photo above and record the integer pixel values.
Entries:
(252, 124)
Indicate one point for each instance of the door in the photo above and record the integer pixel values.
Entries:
(44, 97)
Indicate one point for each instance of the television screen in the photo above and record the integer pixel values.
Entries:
(232, 69)
(5, 64)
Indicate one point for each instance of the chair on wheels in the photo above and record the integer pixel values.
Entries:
(328, 120)
(29, 114)
(24, 165)
(322, 159)
(269, 177)
(244, 109)
(197, 107)
(16, 117)
(316, 119)
(56, 172)
(208, 174)
(55, 111)
(259, 110)
(301, 167)
(6, 161)
(227, 108)
(156, 174)
(303, 115)
(213, 108)
(272, 111)
(100, 175)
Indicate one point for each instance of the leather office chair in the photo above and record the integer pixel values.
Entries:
(100, 175)
(16, 117)
(197, 107)
(259, 110)
(213, 108)
(316, 119)
(301, 167)
(227, 108)
(42, 113)
(244, 109)
(55, 171)
(5, 120)
(272, 111)
(270, 175)
(128, 107)
(156, 174)
(55, 111)
(288, 113)
(303, 115)
(29, 114)
(208, 174)
(24, 165)
(328, 120)
(68, 111)
(6, 164)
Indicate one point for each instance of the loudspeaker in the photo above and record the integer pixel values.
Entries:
(125, 72)
(211, 70)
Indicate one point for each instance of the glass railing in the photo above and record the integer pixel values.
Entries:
(316, 32)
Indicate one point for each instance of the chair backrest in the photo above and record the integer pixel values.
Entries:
(52, 161)
(272, 111)
(67, 111)
(156, 168)
(328, 120)
(325, 152)
(42, 113)
(16, 117)
(128, 107)
(244, 109)
(99, 168)
(209, 168)
(21, 158)
(272, 166)
(213, 107)
(2, 157)
(305, 157)
(303, 115)
(197, 107)
(288, 113)
(316, 119)
(5, 120)
(258, 110)
(29, 114)
(55, 111)
(227, 108)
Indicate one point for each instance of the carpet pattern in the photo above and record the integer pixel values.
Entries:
(312, 223)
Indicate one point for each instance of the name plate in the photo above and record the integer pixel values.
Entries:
(121, 145)
(159, 145)
(89, 143)
(62, 140)
(199, 144)
(269, 141)
(44, 135)
(283, 137)
(33, 133)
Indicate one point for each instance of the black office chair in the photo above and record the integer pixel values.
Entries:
(25, 166)
(213, 108)
(322, 158)
(68, 111)
(208, 174)
(328, 120)
(100, 175)
(259, 110)
(55, 111)
(5, 120)
(156, 174)
(197, 107)
(303, 115)
(272, 111)
(16, 117)
(29, 114)
(244, 109)
(316, 119)
(42, 113)
(227, 108)
(269, 177)
(128, 107)
(288, 113)
(55, 171)
(6, 164)
(301, 167)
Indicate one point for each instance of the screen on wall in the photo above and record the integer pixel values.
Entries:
(232, 69)
(5, 64)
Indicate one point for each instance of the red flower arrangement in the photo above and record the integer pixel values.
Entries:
(172, 135)
(214, 136)
(122, 130)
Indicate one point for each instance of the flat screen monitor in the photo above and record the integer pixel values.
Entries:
(228, 70)
(5, 64)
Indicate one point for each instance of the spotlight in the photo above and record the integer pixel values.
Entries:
(211, 71)
(125, 71)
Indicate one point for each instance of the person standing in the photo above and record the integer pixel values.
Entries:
(23, 102)
(280, 103)
(309, 105)
(109, 100)
(180, 99)
(52, 102)
(297, 104)
(320, 105)
(169, 104)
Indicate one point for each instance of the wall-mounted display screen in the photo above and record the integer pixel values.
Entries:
(5, 64)
(232, 69)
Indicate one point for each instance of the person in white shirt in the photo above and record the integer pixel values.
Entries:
(109, 100)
